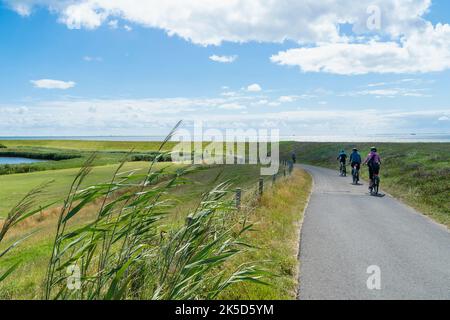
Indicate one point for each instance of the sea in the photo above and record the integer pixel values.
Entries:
(423, 137)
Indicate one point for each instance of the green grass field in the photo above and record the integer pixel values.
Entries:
(417, 173)
(75, 158)
(82, 145)
(34, 253)
(15, 186)
(72, 154)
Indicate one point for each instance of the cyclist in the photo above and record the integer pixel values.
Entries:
(373, 162)
(294, 157)
(355, 162)
(342, 157)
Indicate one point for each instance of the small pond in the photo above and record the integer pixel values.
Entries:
(17, 160)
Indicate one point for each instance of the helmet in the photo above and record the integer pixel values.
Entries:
(355, 149)
(342, 151)
(374, 149)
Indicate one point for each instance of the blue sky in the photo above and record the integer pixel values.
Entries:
(96, 67)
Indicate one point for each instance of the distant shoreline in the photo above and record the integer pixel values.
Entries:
(387, 138)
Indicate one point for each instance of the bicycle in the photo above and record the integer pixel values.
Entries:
(355, 174)
(343, 170)
(375, 185)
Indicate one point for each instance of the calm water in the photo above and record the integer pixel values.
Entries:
(422, 137)
(15, 160)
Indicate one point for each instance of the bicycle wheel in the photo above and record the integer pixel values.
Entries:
(376, 185)
(355, 176)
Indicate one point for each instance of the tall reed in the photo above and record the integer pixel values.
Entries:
(26, 208)
(124, 254)
(127, 251)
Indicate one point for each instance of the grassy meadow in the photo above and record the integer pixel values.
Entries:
(83, 145)
(15, 186)
(34, 253)
(277, 214)
(417, 173)
(70, 156)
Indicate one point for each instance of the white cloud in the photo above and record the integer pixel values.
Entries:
(389, 92)
(53, 84)
(421, 51)
(229, 94)
(288, 99)
(15, 110)
(22, 9)
(113, 24)
(293, 98)
(410, 43)
(262, 102)
(153, 116)
(23, 110)
(212, 22)
(91, 59)
(254, 88)
(128, 28)
(397, 82)
(232, 106)
(378, 84)
(84, 14)
(223, 59)
(444, 118)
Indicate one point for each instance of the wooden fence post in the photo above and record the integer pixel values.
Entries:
(290, 167)
(261, 186)
(238, 198)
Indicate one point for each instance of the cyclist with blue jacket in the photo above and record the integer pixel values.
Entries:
(355, 162)
(355, 159)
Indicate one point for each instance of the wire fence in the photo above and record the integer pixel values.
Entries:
(264, 183)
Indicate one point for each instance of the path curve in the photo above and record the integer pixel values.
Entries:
(345, 231)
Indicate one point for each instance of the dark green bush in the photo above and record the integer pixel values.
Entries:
(53, 156)
(151, 156)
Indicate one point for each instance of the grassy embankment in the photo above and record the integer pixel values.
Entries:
(417, 173)
(277, 234)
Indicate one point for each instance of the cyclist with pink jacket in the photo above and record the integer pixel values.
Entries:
(373, 162)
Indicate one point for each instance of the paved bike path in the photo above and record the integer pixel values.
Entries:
(346, 230)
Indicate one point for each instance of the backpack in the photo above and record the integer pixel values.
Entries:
(371, 161)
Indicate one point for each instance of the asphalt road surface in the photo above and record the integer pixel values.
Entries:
(346, 231)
